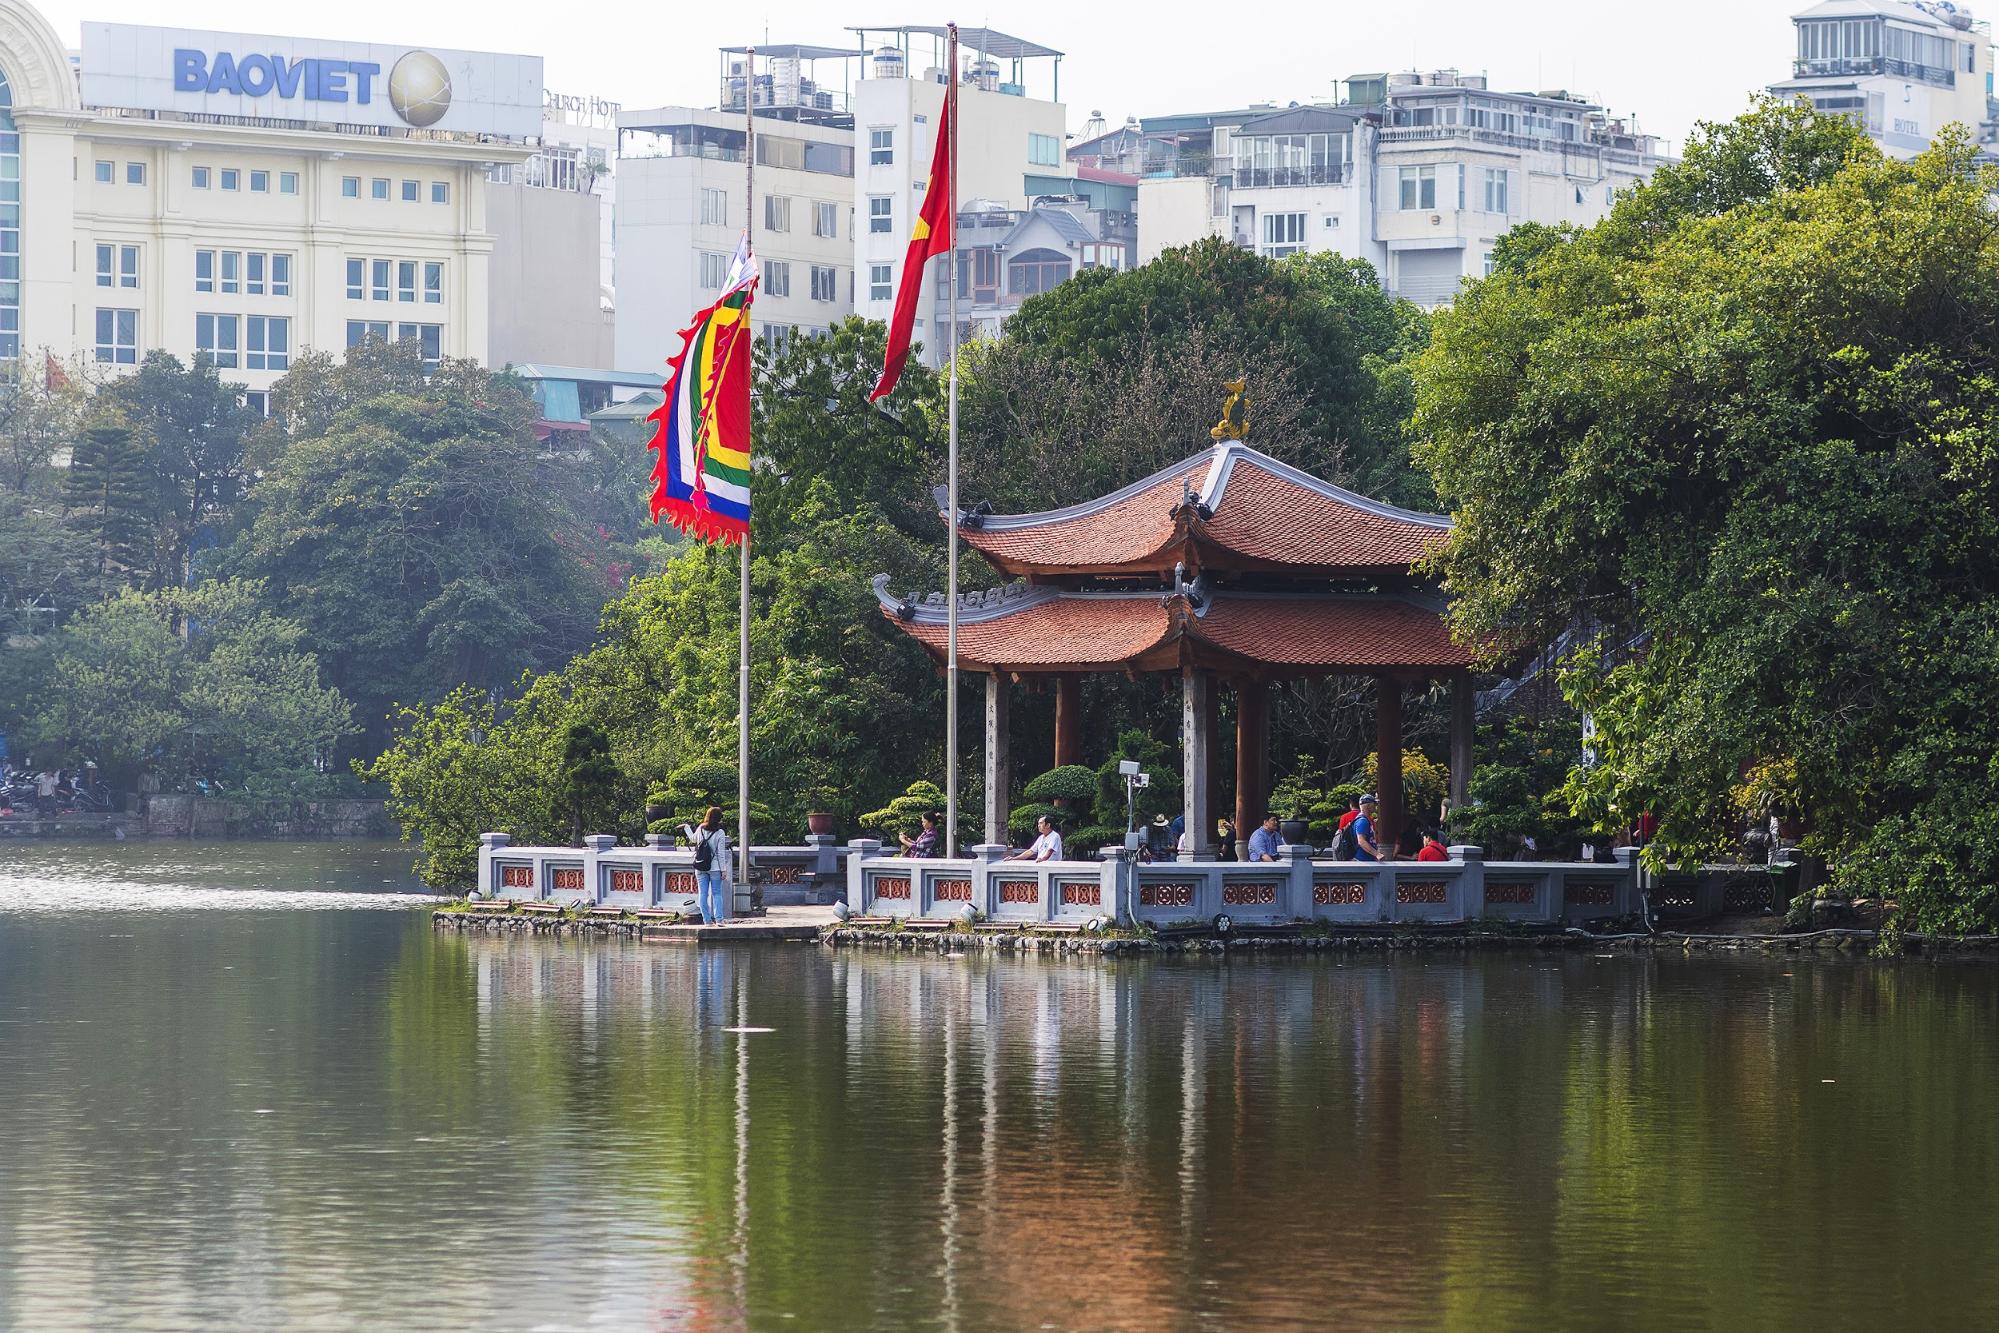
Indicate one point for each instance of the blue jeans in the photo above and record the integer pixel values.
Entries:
(714, 885)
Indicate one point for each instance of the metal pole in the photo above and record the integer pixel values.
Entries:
(951, 601)
(743, 611)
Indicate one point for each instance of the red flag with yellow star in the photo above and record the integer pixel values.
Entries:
(931, 236)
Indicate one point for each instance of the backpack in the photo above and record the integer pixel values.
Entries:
(704, 851)
(1344, 846)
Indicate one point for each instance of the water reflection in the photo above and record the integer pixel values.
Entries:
(253, 1119)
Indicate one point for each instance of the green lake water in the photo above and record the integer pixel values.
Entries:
(246, 1086)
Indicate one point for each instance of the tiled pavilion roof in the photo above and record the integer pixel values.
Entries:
(1047, 629)
(1229, 508)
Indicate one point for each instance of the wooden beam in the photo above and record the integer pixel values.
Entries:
(1068, 719)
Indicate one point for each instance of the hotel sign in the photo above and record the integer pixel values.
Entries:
(303, 79)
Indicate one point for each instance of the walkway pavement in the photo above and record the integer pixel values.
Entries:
(777, 923)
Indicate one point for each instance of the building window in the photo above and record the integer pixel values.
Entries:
(714, 208)
(1418, 187)
(777, 277)
(409, 192)
(440, 192)
(1283, 234)
(201, 178)
(106, 172)
(979, 274)
(135, 173)
(1044, 150)
(253, 273)
(215, 338)
(204, 270)
(360, 330)
(281, 275)
(406, 280)
(118, 336)
(881, 282)
(777, 212)
(881, 213)
(257, 401)
(1495, 189)
(287, 182)
(378, 187)
(881, 148)
(714, 270)
(777, 337)
(826, 221)
(260, 182)
(10, 227)
(433, 282)
(825, 282)
(1036, 271)
(357, 280)
(350, 187)
(378, 280)
(232, 179)
(232, 272)
(267, 343)
(429, 339)
(117, 266)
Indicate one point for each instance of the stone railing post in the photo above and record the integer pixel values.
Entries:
(1626, 859)
(595, 846)
(1471, 884)
(984, 857)
(489, 843)
(1296, 858)
(859, 850)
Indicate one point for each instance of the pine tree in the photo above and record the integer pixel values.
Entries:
(107, 491)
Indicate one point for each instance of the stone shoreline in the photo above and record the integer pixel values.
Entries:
(1851, 942)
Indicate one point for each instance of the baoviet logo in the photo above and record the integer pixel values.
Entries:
(420, 89)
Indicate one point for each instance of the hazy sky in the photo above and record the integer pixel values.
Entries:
(1670, 64)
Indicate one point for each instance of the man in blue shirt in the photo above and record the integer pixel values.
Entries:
(1365, 839)
(1263, 843)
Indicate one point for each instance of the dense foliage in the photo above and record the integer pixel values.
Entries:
(1737, 441)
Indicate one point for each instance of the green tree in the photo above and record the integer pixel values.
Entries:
(1738, 439)
(110, 493)
(418, 537)
(588, 780)
(41, 404)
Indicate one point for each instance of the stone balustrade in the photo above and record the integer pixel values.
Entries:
(655, 877)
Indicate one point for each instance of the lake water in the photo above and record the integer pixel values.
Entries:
(247, 1086)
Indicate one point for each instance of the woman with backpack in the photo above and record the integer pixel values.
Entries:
(711, 866)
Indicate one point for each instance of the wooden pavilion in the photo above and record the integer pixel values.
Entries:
(1229, 569)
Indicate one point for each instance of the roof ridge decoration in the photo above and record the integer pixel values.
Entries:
(1228, 454)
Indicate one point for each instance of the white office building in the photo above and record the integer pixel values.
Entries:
(1005, 138)
(683, 193)
(1419, 174)
(245, 198)
(1900, 71)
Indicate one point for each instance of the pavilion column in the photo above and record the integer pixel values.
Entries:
(1068, 719)
(1388, 752)
(999, 765)
(1463, 722)
(1252, 758)
(1197, 739)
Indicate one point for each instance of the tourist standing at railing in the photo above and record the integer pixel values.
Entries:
(1433, 848)
(1365, 839)
(711, 865)
(924, 843)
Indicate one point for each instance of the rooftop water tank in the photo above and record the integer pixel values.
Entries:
(890, 63)
(984, 74)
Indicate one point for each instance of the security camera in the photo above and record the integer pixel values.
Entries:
(1128, 768)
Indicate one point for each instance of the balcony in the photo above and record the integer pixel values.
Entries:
(1865, 65)
(1270, 178)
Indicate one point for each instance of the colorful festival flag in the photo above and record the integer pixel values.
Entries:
(931, 236)
(701, 479)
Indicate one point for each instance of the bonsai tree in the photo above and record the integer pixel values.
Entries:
(904, 814)
(698, 784)
(1064, 787)
(589, 776)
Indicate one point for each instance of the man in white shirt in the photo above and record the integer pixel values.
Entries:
(1047, 847)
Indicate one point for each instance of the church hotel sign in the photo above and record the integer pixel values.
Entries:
(305, 79)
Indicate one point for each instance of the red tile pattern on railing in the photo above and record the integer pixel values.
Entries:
(568, 880)
(787, 874)
(892, 886)
(1177, 893)
(628, 881)
(1510, 892)
(1249, 895)
(1588, 893)
(1338, 893)
(952, 890)
(1080, 893)
(1019, 891)
(516, 877)
(680, 881)
(1421, 891)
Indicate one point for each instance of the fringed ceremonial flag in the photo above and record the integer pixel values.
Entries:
(930, 236)
(701, 479)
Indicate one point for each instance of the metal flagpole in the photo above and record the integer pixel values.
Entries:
(743, 611)
(951, 601)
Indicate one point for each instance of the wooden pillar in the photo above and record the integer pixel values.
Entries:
(1388, 749)
(1464, 722)
(999, 766)
(1252, 758)
(1217, 773)
(1196, 737)
(1068, 719)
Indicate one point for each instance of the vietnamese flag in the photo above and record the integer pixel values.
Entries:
(931, 236)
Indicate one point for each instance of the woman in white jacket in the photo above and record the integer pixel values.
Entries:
(711, 846)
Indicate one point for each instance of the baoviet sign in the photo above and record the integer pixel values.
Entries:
(306, 79)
